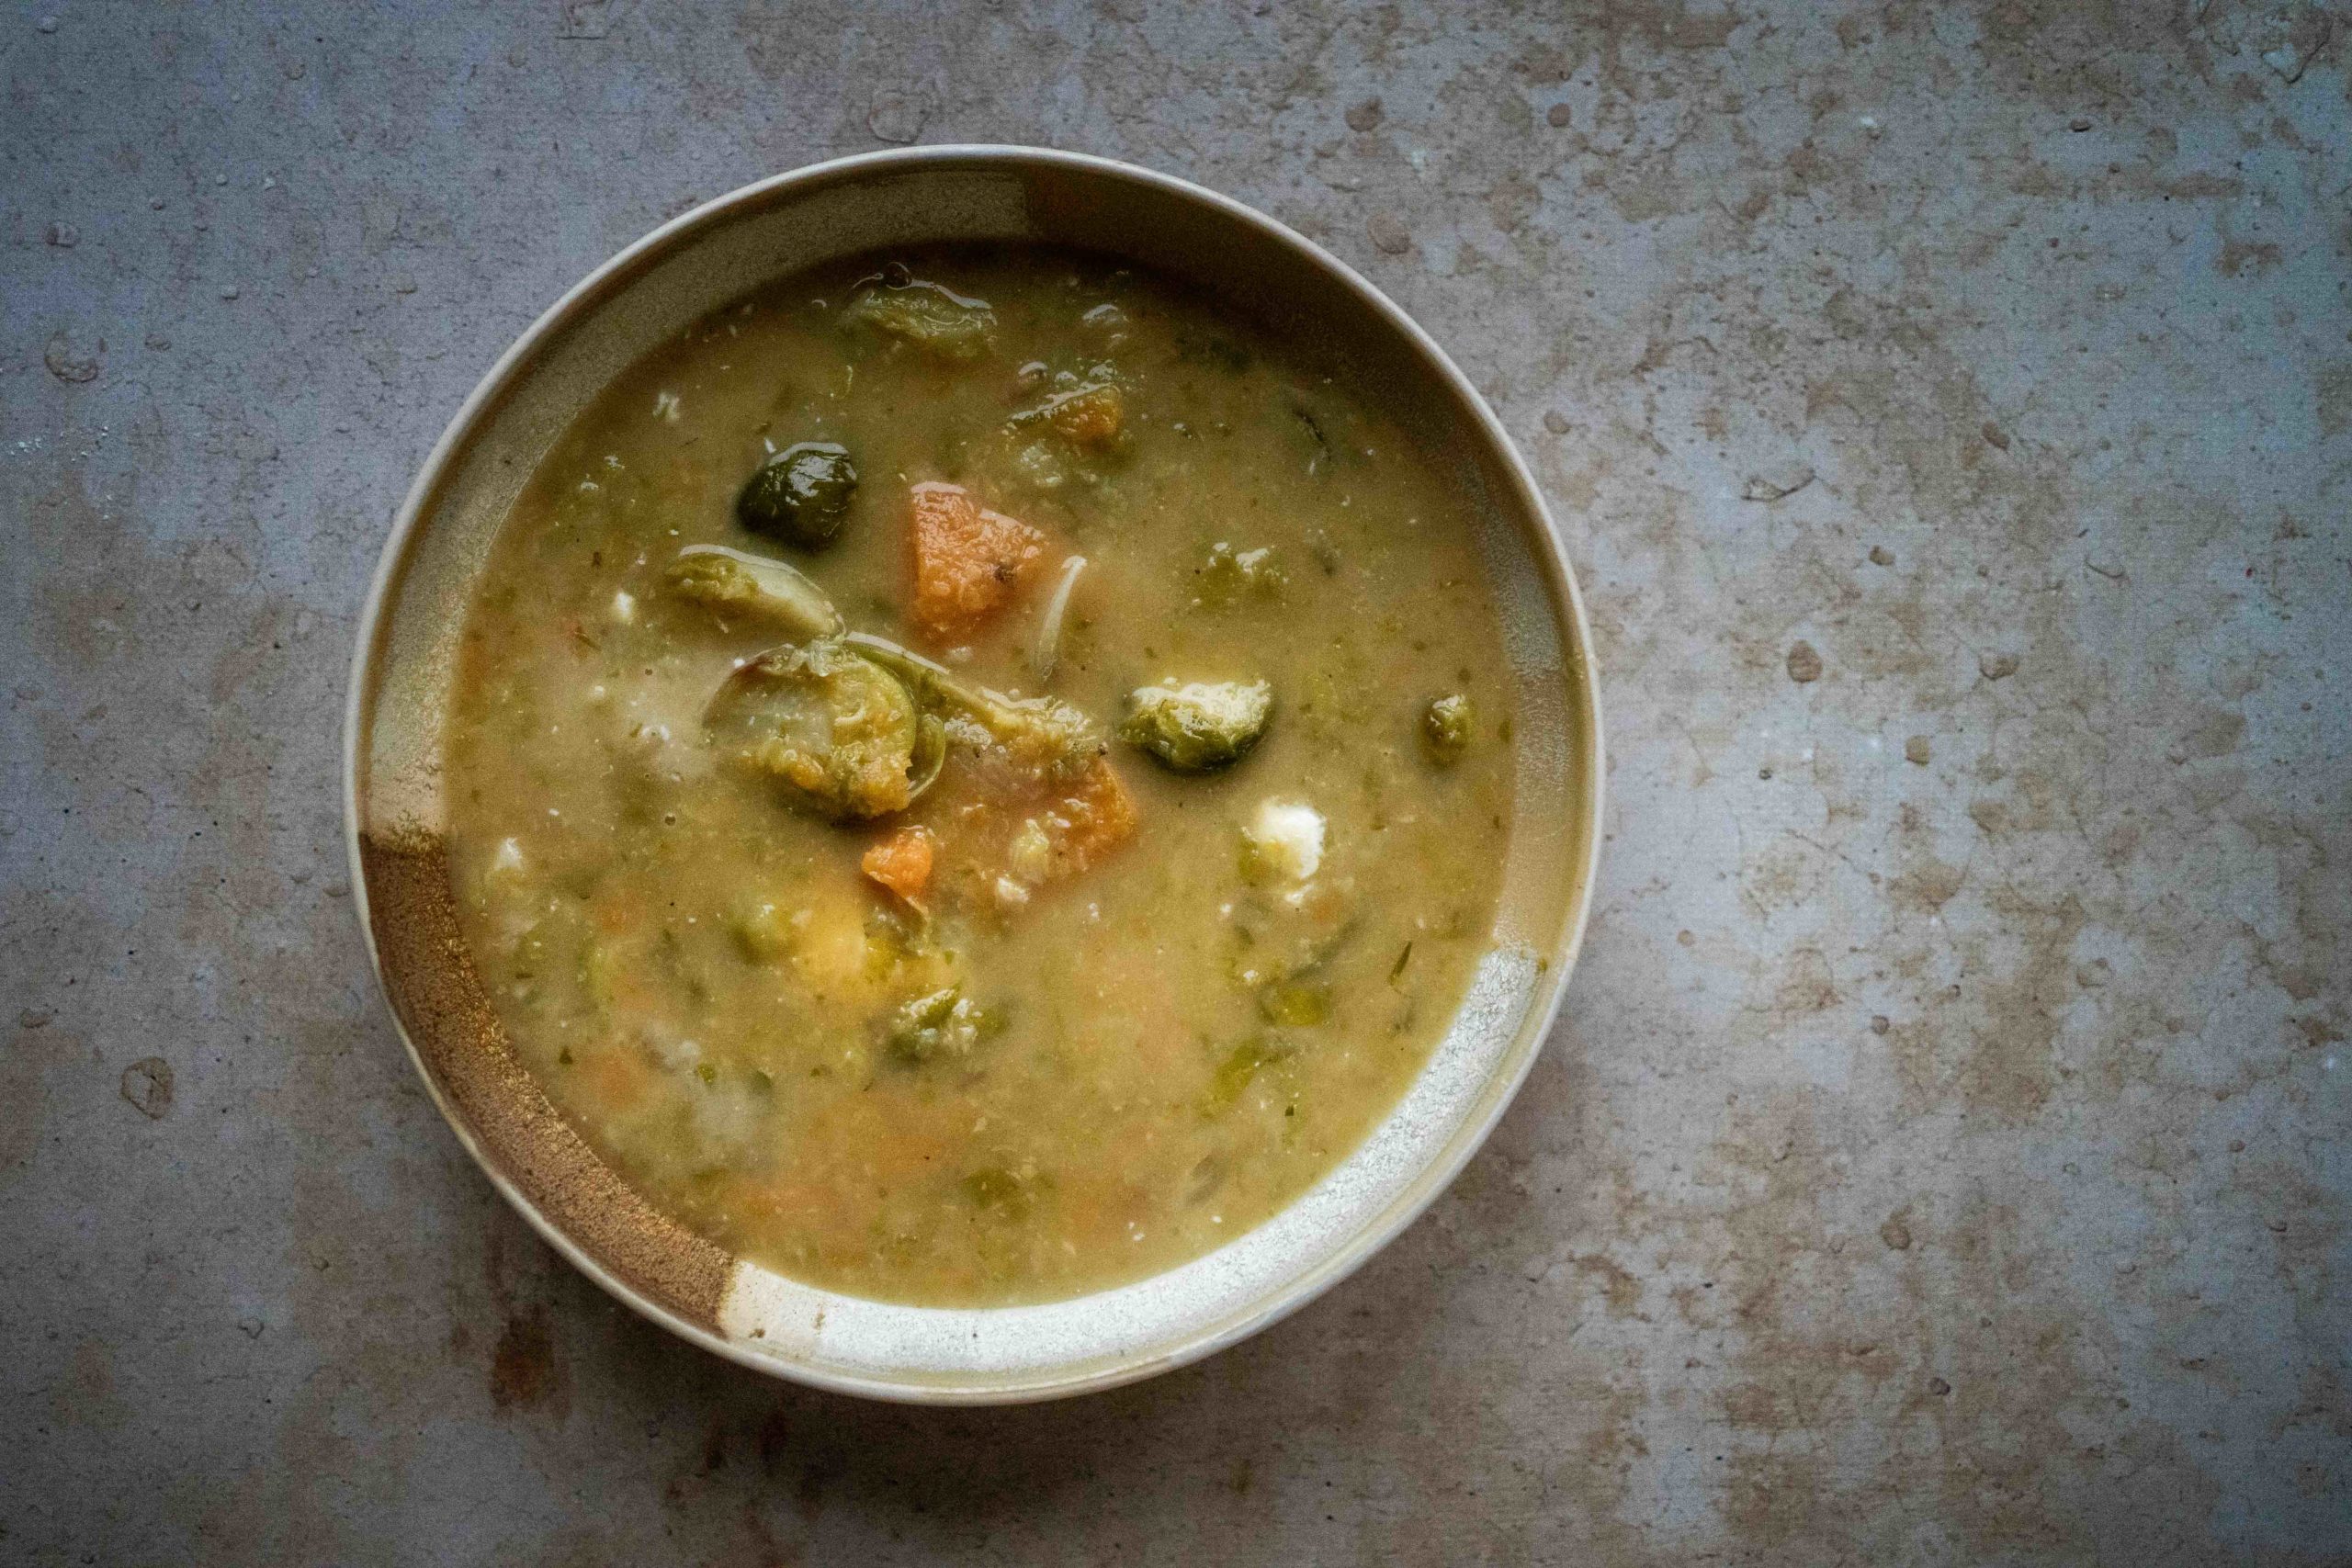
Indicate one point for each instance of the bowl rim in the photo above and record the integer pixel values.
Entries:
(1580, 667)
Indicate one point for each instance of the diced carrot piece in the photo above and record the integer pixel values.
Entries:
(902, 863)
(967, 560)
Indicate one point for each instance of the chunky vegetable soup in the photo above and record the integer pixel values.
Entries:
(977, 777)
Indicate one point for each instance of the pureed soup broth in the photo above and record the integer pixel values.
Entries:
(900, 932)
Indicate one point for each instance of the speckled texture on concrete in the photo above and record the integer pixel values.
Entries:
(1942, 1155)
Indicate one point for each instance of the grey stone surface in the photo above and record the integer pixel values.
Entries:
(1942, 1155)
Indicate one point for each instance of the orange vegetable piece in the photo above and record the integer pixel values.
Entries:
(1089, 416)
(902, 863)
(1100, 814)
(967, 560)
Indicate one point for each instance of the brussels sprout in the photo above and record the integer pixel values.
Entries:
(945, 1023)
(835, 728)
(931, 754)
(1200, 728)
(937, 321)
(800, 496)
(1042, 734)
(714, 574)
(1446, 727)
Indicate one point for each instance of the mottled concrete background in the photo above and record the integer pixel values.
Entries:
(1942, 1155)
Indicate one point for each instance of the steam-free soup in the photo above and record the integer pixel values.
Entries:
(978, 776)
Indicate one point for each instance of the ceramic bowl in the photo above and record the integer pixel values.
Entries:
(395, 814)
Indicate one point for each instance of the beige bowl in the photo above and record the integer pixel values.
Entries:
(395, 814)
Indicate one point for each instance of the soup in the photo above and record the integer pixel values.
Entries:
(978, 776)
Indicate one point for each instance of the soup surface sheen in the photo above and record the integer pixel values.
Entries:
(1070, 1015)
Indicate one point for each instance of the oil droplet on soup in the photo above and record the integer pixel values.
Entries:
(946, 794)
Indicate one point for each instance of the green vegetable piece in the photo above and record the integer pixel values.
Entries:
(937, 321)
(1229, 576)
(1200, 728)
(838, 730)
(800, 496)
(1042, 734)
(1295, 1006)
(730, 580)
(1446, 727)
(945, 1023)
(1241, 1064)
(931, 754)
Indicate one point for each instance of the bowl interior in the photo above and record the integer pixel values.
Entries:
(397, 815)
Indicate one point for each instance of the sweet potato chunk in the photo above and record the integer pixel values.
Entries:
(1091, 416)
(902, 863)
(1094, 815)
(1102, 816)
(967, 560)
(1015, 835)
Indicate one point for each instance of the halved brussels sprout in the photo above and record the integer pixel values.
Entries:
(1199, 728)
(1042, 734)
(1447, 725)
(937, 321)
(714, 574)
(930, 754)
(800, 496)
(835, 728)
